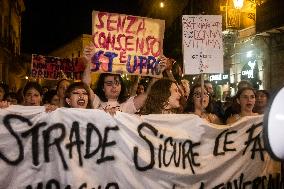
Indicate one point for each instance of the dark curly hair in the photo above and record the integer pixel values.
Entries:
(33, 85)
(100, 86)
(47, 97)
(157, 97)
(77, 85)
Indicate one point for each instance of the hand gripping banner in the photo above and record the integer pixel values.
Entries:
(89, 149)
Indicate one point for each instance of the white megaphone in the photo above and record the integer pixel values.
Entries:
(274, 126)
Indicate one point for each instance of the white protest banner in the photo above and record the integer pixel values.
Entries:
(86, 149)
(202, 44)
(49, 67)
(126, 44)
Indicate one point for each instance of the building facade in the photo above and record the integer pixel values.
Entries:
(255, 52)
(74, 48)
(10, 43)
(270, 41)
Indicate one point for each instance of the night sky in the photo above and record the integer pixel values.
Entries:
(48, 24)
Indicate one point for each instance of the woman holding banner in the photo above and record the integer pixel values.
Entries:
(200, 104)
(61, 87)
(77, 95)
(163, 98)
(32, 95)
(110, 94)
(246, 101)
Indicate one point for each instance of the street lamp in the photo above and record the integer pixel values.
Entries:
(238, 4)
(162, 4)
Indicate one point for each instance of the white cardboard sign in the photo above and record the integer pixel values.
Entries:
(202, 44)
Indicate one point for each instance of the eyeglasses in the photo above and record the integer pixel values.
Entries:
(198, 94)
(112, 83)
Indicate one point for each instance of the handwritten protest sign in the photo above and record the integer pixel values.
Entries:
(202, 44)
(80, 148)
(48, 67)
(126, 44)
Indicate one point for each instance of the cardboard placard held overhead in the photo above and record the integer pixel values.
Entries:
(126, 44)
(49, 67)
(202, 44)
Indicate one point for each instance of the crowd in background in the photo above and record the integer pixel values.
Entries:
(167, 95)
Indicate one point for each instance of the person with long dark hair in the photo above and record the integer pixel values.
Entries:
(246, 100)
(201, 105)
(163, 98)
(110, 94)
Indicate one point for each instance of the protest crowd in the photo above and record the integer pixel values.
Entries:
(161, 131)
(200, 115)
(170, 94)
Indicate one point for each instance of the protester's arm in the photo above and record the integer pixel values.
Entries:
(168, 63)
(87, 72)
(139, 100)
(134, 86)
(87, 78)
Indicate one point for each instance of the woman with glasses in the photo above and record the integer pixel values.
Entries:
(246, 101)
(199, 103)
(77, 95)
(111, 93)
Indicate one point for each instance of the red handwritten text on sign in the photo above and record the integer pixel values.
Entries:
(123, 33)
(132, 44)
(49, 67)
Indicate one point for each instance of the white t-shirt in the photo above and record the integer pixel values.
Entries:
(127, 106)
